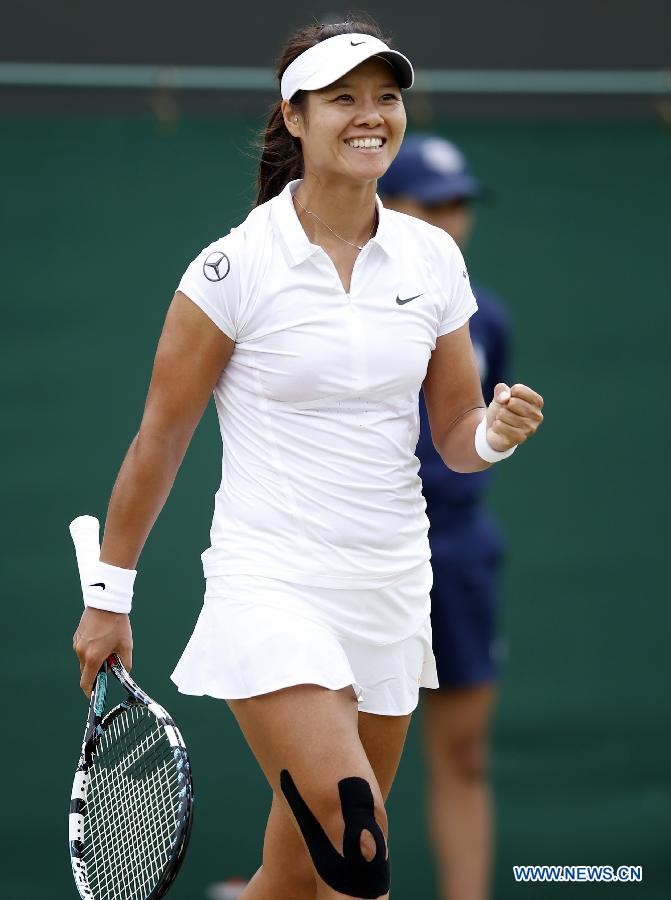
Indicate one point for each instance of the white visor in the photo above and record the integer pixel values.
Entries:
(328, 60)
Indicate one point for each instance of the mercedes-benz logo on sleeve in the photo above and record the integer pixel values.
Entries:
(217, 266)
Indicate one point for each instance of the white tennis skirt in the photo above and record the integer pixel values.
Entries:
(255, 635)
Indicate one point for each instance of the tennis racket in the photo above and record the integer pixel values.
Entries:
(132, 796)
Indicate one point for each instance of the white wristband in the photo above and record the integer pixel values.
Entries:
(109, 587)
(483, 448)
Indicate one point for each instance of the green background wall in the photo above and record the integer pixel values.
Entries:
(99, 219)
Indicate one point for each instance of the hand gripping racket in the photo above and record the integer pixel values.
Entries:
(132, 796)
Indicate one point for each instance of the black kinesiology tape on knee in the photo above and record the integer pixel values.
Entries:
(351, 874)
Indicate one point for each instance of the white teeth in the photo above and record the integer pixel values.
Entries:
(364, 143)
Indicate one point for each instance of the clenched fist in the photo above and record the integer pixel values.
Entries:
(513, 416)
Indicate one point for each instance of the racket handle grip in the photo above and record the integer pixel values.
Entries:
(85, 532)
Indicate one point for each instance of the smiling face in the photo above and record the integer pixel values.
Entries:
(353, 128)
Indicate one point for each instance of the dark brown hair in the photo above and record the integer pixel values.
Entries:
(281, 154)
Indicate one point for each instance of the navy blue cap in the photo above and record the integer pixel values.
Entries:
(431, 170)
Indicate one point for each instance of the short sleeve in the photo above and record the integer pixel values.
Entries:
(452, 276)
(212, 282)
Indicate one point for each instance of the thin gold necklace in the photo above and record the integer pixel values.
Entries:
(340, 238)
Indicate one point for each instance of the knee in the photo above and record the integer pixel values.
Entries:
(359, 818)
(354, 815)
(367, 842)
(466, 758)
(371, 830)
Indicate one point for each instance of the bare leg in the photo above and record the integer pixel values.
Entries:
(383, 738)
(456, 732)
(373, 753)
(287, 872)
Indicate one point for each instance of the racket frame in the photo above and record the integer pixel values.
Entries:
(96, 725)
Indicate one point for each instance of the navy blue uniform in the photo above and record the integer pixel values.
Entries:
(466, 545)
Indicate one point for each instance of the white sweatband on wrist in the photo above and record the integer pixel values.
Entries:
(109, 587)
(483, 448)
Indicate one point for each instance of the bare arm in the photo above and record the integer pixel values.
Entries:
(191, 354)
(455, 405)
(454, 401)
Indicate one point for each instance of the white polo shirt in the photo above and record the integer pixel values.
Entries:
(318, 406)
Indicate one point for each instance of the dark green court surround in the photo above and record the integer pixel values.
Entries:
(99, 218)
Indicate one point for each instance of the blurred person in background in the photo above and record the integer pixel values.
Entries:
(430, 179)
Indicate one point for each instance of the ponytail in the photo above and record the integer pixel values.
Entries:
(281, 156)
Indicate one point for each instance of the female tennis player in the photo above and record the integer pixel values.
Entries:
(315, 322)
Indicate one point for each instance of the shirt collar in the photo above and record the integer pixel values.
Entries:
(384, 236)
(288, 230)
(294, 241)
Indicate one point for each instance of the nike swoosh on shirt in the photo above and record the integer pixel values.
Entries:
(100, 584)
(407, 300)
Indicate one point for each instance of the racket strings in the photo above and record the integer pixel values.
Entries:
(131, 807)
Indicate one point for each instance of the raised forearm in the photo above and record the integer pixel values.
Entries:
(140, 491)
(456, 446)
